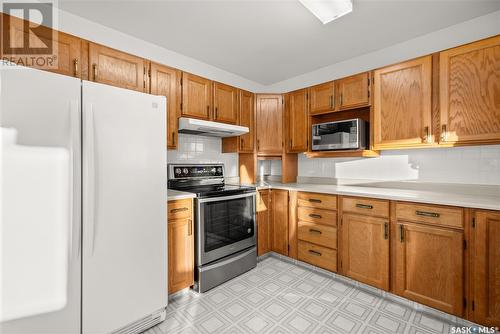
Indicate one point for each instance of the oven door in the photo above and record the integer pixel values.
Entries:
(225, 225)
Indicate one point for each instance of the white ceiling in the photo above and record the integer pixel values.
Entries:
(270, 41)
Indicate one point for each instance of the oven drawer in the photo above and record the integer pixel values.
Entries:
(318, 234)
(432, 214)
(323, 257)
(366, 206)
(181, 208)
(314, 200)
(319, 216)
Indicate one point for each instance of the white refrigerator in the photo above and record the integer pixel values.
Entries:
(83, 206)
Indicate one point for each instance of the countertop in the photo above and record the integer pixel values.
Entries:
(463, 196)
(173, 195)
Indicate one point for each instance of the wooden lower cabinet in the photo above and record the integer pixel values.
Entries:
(279, 221)
(365, 249)
(485, 268)
(263, 222)
(429, 266)
(180, 245)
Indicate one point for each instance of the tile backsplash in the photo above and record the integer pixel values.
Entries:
(199, 149)
(465, 165)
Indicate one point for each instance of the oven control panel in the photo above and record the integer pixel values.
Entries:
(195, 171)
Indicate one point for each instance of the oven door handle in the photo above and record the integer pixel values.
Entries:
(225, 198)
(228, 260)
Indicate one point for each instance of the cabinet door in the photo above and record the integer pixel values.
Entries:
(470, 93)
(353, 91)
(166, 81)
(263, 226)
(322, 98)
(269, 124)
(429, 266)
(296, 105)
(486, 268)
(402, 104)
(66, 48)
(180, 254)
(116, 68)
(279, 220)
(225, 103)
(247, 118)
(196, 96)
(365, 244)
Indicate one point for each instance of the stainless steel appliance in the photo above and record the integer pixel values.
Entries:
(350, 134)
(103, 267)
(225, 231)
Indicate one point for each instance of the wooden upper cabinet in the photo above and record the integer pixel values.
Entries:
(353, 92)
(116, 68)
(67, 49)
(296, 117)
(247, 118)
(365, 255)
(263, 222)
(279, 221)
(166, 81)
(225, 103)
(470, 93)
(322, 98)
(269, 124)
(485, 268)
(196, 96)
(429, 266)
(402, 104)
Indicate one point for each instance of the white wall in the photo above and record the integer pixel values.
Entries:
(465, 165)
(194, 149)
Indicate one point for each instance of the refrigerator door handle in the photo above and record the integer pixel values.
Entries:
(74, 213)
(89, 177)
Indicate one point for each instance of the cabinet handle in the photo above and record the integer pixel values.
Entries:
(314, 215)
(94, 69)
(340, 102)
(208, 111)
(427, 214)
(178, 210)
(311, 230)
(331, 101)
(290, 144)
(364, 206)
(386, 231)
(314, 253)
(444, 135)
(258, 145)
(314, 200)
(190, 227)
(216, 112)
(75, 64)
(401, 233)
(427, 138)
(242, 143)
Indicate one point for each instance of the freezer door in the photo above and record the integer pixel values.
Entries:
(124, 210)
(40, 220)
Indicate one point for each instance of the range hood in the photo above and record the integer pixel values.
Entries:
(209, 128)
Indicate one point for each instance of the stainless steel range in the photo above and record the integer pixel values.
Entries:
(225, 228)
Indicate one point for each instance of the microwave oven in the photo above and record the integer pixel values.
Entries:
(350, 134)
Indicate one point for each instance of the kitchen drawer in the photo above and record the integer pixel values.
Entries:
(314, 200)
(323, 257)
(366, 206)
(432, 214)
(318, 234)
(319, 216)
(180, 209)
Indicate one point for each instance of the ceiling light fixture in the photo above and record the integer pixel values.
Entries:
(328, 10)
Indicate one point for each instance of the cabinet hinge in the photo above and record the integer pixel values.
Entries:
(473, 222)
(465, 244)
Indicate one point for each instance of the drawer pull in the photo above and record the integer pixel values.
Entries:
(314, 253)
(314, 215)
(314, 200)
(427, 214)
(311, 230)
(364, 206)
(178, 210)
(401, 233)
(386, 231)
